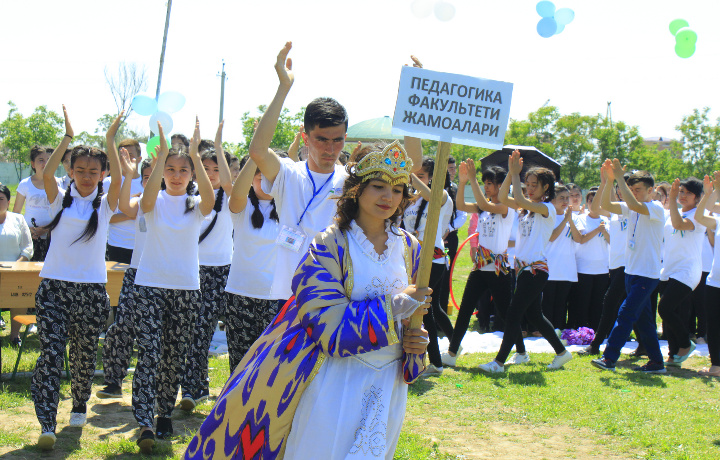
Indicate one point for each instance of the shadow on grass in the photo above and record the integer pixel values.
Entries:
(100, 419)
(68, 442)
(422, 386)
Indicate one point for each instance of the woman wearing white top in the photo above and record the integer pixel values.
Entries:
(71, 301)
(215, 254)
(414, 219)
(682, 269)
(167, 283)
(31, 193)
(250, 307)
(536, 224)
(15, 245)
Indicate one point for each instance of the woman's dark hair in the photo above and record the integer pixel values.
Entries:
(36, 150)
(93, 153)
(5, 191)
(591, 193)
(428, 165)
(211, 155)
(257, 219)
(693, 185)
(145, 165)
(545, 177)
(560, 188)
(494, 174)
(182, 138)
(190, 190)
(348, 206)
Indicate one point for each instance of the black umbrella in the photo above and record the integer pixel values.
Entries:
(530, 155)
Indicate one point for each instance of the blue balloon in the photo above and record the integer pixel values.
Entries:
(560, 28)
(164, 119)
(545, 9)
(144, 105)
(564, 16)
(547, 27)
(170, 102)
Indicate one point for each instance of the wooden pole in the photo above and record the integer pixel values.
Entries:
(431, 224)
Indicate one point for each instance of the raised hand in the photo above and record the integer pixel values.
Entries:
(607, 166)
(716, 180)
(603, 174)
(127, 163)
(618, 170)
(707, 184)
(356, 149)
(515, 163)
(416, 62)
(568, 214)
(195, 141)
(674, 190)
(163, 144)
(463, 172)
(218, 139)
(68, 128)
(472, 171)
(283, 66)
(113, 129)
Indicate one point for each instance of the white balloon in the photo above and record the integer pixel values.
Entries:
(422, 8)
(444, 11)
(165, 120)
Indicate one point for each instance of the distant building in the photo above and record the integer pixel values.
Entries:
(662, 143)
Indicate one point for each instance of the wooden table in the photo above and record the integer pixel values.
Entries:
(19, 283)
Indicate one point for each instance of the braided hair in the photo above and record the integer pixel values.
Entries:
(190, 189)
(257, 219)
(92, 225)
(210, 154)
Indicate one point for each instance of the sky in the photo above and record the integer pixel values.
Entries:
(621, 51)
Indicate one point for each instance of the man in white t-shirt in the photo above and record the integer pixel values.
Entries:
(304, 191)
(121, 234)
(646, 219)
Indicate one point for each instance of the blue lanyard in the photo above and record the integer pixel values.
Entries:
(315, 192)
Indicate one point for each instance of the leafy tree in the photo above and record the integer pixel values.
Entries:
(18, 134)
(616, 140)
(574, 149)
(288, 125)
(98, 138)
(700, 141)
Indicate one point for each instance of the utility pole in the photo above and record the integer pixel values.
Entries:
(608, 114)
(223, 77)
(162, 53)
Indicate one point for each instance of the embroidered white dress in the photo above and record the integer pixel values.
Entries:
(355, 406)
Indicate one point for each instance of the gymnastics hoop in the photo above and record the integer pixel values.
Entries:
(452, 268)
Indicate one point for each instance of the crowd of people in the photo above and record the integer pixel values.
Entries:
(311, 266)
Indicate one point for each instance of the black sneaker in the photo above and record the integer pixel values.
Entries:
(588, 351)
(110, 391)
(651, 367)
(187, 403)
(164, 428)
(146, 441)
(604, 364)
(202, 395)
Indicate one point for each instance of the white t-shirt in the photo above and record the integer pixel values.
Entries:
(682, 260)
(170, 257)
(293, 190)
(560, 254)
(513, 234)
(494, 233)
(253, 263)
(707, 254)
(140, 237)
(533, 235)
(644, 240)
(15, 239)
(592, 256)
(411, 214)
(216, 250)
(36, 203)
(618, 240)
(713, 278)
(82, 261)
(122, 234)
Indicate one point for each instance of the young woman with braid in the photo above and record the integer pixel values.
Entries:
(71, 302)
(167, 283)
(215, 254)
(250, 305)
(537, 221)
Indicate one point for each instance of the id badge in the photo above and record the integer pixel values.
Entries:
(141, 224)
(631, 244)
(291, 238)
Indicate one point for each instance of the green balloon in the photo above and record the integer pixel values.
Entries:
(685, 50)
(677, 24)
(686, 36)
(152, 143)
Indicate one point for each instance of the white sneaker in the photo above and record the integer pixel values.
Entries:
(492, 367)
(77, 419)
(432, 370)
(46, 441)
(519, 358)
(448, 360)
(560, 360)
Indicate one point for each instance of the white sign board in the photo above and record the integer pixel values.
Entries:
(452, 108)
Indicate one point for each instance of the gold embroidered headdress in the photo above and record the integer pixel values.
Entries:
(392, 165)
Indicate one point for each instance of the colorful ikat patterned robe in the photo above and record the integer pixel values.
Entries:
(254, 412)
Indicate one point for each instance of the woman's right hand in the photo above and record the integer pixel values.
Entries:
(422, 295)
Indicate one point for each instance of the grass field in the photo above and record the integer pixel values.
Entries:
(526, 413)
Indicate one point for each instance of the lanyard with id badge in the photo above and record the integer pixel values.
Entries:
(631, 241)
(294, 238)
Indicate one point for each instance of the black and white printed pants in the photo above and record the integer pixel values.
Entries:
(66, 311)
(212, 289)
(120, 335)
(163, 318)
(245, 320)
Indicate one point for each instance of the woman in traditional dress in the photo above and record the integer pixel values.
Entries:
(328, 378)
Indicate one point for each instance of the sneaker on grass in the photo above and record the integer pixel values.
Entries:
(46, 441)
(560, 360)
(431, 369)
(109, 391)
(187, 403)
(146, 441)
(77, 419)
(492, 367)
(519, 358)
(203, 395)
(604, 364)
(163, 428)
(589, 351)
(651, 367)
(448, 360)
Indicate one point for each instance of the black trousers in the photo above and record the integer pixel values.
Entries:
(698, 318)
(712, 309)
(586, 303)
(671, 308)
(614, 297)
(451, 244)
(554, 302)
(436, 316)
(118, 254)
